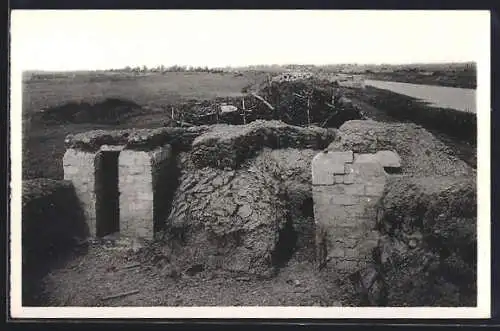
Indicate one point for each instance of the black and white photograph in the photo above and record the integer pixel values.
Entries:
(250, 163)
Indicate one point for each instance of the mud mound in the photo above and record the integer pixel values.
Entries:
(226, 220)
(51, 215)
(51, 219)
(109, 111)
(251, 220)
(422, 154)
(225, 146)
(427, 253)
(292, 167)
(179, 138)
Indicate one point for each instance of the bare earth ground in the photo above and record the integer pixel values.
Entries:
(107, 269)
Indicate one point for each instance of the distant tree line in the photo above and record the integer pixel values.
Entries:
(173, 68)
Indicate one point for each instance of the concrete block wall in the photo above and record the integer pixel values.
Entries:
(346, 189)
(138, 182)
(79, 168)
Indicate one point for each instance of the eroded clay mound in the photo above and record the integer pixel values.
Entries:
(147, 139)
(228, 146)
(226, 220)
(427, 252)
(250, 220)
(292, 167)
(422, 154)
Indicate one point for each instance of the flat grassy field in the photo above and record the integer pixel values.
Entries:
(144, 88)
(43, 143)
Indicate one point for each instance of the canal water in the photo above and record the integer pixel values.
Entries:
(437, 96)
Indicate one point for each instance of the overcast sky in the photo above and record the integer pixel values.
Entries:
(78, 39)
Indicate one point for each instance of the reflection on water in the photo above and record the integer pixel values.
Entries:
(437, 96)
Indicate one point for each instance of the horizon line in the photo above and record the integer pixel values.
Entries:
(257, 65)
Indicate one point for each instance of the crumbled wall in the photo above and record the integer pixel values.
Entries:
(346, 189)
(138, 180)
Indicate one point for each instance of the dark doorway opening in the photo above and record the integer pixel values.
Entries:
(107, 193)
(286, 246)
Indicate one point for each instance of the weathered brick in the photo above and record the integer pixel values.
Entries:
(349, 216)
(337, 252)
(79, 168)
(138, 185)
(367, 171)
(322, 177)
(345, 157)
(365, 158)
(344, 266)
(339, 179)
(354, 211)
(388, 159)
(344, 199)
(349, 178)
(326, 165)
(145, 196)
(374, 189)
(337, 217)
(348, 168)
(354, 189)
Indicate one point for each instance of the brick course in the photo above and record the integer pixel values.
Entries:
(346, 189)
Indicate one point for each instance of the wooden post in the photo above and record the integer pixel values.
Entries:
(308, 110)
(244, 111)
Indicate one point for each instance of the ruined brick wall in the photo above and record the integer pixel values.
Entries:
(139, 174)
(79, 168)
(346, 189)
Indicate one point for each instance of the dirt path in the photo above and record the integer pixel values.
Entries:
(107, 270)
